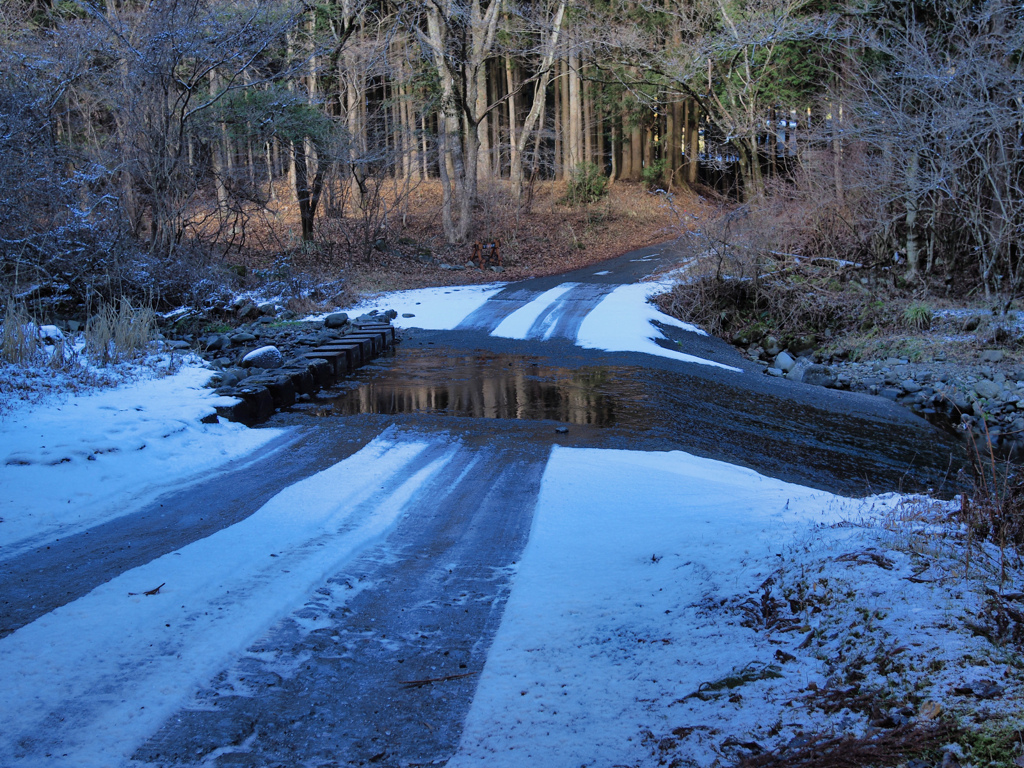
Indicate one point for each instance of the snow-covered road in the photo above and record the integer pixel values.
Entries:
(477, 594)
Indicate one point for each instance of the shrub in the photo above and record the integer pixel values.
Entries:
(918, 315)
(653, 174)
(586, 185)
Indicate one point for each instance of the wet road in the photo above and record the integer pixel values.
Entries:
(375, 663)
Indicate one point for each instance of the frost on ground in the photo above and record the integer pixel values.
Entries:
(707, 615)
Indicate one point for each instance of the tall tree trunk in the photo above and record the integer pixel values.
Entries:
(692, 142)
(575, 113)
(912, 205)
(537, 109)
(515, 156)
(559, 126)
(483, 130)
(307, 191)
(588, 122)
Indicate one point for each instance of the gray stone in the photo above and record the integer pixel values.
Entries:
(987, 389)
(336, 320)
(992, 355)
(242, 337)
(775, 372)
(910, 386)
(814, 374)
(178, 344)
(268, 309)
(216, 342)
(264, 357)
(771, 346)
(890, 393)
(408, 314)
(391, 314)
(818, 375)
(785, 362)
(804, 345)
(248, 308)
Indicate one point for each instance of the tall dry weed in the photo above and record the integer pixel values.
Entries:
(117, 333)
(19, 344)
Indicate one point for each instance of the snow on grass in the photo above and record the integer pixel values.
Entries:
(624, 322)
(435, 309)
(675, 608)
(92, 679)
(71, 462)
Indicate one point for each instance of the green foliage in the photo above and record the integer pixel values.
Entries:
(918, 315)
(586, 185)
(653, 175)
(996, 745)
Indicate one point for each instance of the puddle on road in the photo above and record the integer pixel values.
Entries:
(488, 386)
(776, 433)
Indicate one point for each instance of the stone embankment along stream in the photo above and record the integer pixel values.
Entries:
(292, 361)
(982, 399)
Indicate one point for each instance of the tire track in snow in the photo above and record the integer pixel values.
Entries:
(563, 317)
(89, 681)
(492, 312)
(343, 680)
(56, 571)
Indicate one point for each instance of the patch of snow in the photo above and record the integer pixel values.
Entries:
(623, 322)
(672, 609)
(70, 463)
(435, 309)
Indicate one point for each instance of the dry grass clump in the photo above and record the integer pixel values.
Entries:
(22, 343)
(19, 340)
(119, 332)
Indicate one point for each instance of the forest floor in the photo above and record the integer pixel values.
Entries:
(404, 247)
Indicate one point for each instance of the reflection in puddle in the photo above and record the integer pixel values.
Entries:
(482, 385)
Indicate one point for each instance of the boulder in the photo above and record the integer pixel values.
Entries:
(806, 372)
(992, 355)
(987, 389)
(804, 345)
(264, 357)
(216, 341)
(336, 320)
(784, 362)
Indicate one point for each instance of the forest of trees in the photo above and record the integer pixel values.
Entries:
(152, 132)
